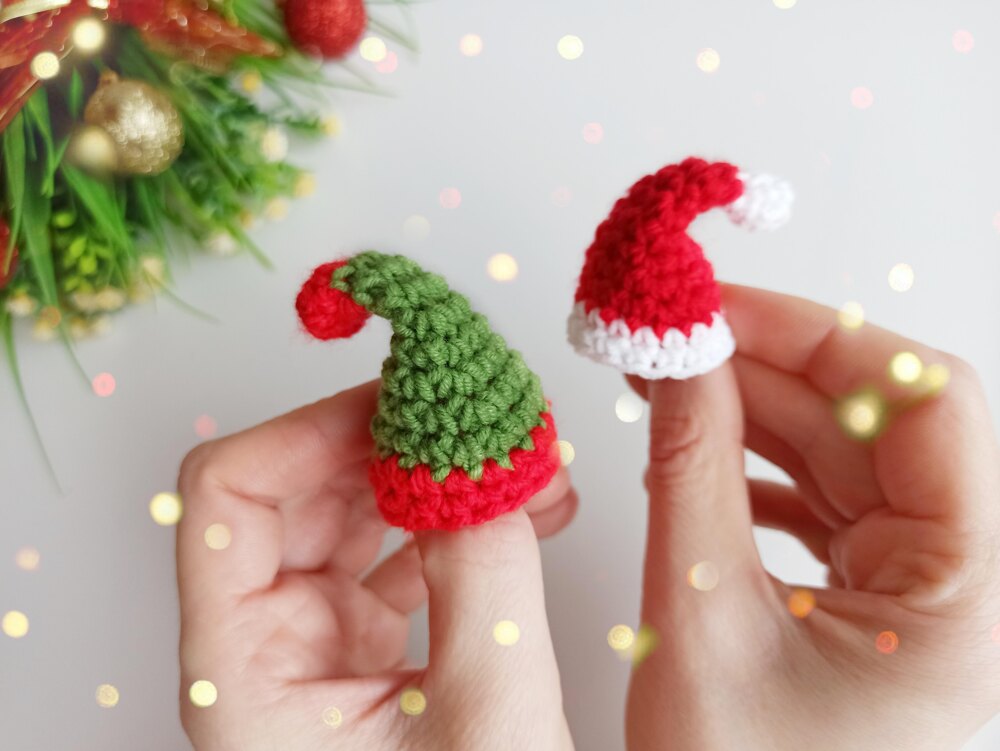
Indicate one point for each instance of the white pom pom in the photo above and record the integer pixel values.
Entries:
(766, 202)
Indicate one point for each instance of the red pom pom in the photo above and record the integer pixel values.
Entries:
(326, 28)
(325, 312)
(6, 269)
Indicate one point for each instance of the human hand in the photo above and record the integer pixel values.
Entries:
(305, 641)
(907, 523)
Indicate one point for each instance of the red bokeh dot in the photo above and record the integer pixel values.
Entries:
(103, 384)
(450, 198)
(963, 41)
(887, 642)
(388, 64)
(205, 426)
(862, 97)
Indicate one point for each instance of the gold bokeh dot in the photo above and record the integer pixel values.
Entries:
(502, 267)
(862, 415)
(851, 316)
(566, 452)
(703, 576)
(166, 509)
(570, 47)
(14, 624)
(708, 60)
(936, 376)
(88, 35)
(27, 558)
(801, 603)
(906, 368)
(901, 277)
(45, 65)
(506, 633)
(629, 407)
(333, 717)
(203, 694)
(621, 638)
(887, 642)
(416, 227)
(218, 536)
(412, 702)
(471, 45)
(107, 696)
(646, 640)
(784, 4)
(373, 49)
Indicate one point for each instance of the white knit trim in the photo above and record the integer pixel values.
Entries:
(766, 202)
(642, 353)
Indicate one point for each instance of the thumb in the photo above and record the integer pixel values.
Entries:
(489, 635)
(698, 503)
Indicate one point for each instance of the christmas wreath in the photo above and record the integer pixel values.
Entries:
(130, 126)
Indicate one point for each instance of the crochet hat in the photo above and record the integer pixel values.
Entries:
(462, 432)
(647, 301)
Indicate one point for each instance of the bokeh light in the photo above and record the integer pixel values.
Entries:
(412, 702)
(450, 198)
(593, 133)
(332, 126)
(862, 97)
(936, 377)
(561, 196)
(277, 209)
(862, 415)
(703, 576)
(471, 45)
(570, 47)
(901, 277)
(708, 60)
(416, 227)
(45, 65)
(107, 696)
(851, 316)
(333, 717)
(963, 41)
(801, 602)
(887, 642)
(388, 64)
(203, 694)
(27, 558)
(629, 407)
(373, 49)
(506, 633)
(103, 384)
(218, 536)
(566, 452)
(646, 641)
(205, 426)
(784, 4)
(166, 509)
(502, 267)
(906, 368)
(14, 624)
(621, 638)
(88, 35)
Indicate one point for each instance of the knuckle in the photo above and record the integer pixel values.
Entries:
(678, 447)
(194, 468)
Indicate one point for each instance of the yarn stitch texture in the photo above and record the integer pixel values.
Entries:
(462, 429)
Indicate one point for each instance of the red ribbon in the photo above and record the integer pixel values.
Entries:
(182, 28)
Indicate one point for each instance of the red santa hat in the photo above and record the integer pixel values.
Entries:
(647, 301)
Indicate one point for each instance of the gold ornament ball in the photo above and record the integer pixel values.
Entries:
(142, 121)
(92, 148)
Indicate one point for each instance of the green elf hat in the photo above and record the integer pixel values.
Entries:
(463, 432)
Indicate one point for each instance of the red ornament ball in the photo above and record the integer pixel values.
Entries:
(6, 269)
(328, 313)
(325, 28)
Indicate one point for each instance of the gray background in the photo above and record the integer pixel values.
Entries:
(911, 179)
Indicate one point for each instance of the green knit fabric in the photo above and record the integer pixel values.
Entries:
(453, 394)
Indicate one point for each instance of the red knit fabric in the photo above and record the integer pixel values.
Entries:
(643, 267)
(325, 312)
(409, 498)
(326, 28)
